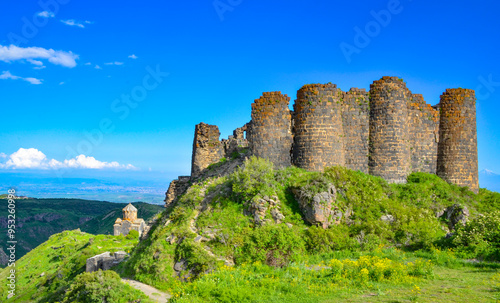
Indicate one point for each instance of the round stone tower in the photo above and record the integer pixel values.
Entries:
(457, 147)
(318, 140)
(389, 148)
(270, 134)
(130, 213)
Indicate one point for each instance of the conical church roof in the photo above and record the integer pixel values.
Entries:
(130, 207)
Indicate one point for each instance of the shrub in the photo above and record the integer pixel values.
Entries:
(133, 234)
(319, 240)
(480, 237)
(199, 261)
(255, 177)
(274, 245)
(101, 286)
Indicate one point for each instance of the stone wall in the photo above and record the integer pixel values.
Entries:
(176, 188)
(457, 149)
(389, 151)
(235, 142)
(270, 134)
(104, 261)
(318, 129)
(356, 124)
(207, 148)
(388, 132)
(423, 135)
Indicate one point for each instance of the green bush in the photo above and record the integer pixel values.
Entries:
(255, 177)
(319, 240)
(274, 245)
(133, 234)
(479, 238)
(101, 286)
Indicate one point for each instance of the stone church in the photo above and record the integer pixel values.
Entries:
(129, 222)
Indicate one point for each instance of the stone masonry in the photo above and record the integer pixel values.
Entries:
(318, 128)
(270, 134)
(356, 123)
(424, 135)
(389, 149)
(207, 148)
(387, 132)
(129, 222)
(104, 261)
(457, 149)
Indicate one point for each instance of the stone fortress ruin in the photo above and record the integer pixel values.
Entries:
(387, 132)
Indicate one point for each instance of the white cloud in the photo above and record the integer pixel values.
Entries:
(2, 155)
(7, 75)
(35, 62)
(26, 158)
(32, 158)
(46, 14)
(114, 63)
(88, 22)
(61, 83)
(14, 53)
(72, 22)
(88, 63)
(133, 56)
(97, 67)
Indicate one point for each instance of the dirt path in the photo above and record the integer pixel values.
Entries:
(153, 293)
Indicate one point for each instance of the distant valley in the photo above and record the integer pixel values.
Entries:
(38, 219)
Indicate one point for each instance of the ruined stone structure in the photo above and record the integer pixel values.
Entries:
(129, 222)
(318, 128)
(424, 135)
(270, 133)
(389, 152)
(104, 261)
(457, 148)
(176, 188)
(356, 123)
(387, 132)
(207, 148)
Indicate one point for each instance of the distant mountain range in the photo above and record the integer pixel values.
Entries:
(489, 180)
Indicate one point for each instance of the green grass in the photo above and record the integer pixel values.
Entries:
(236, 237)
(46, 273)
(447, 280)
(363, 259)
(38, 219)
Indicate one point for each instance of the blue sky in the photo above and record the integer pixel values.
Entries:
(75, 61)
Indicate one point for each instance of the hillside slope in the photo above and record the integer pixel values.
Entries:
(54, 271)
(38, 219)
(255, 234)
(274, 217)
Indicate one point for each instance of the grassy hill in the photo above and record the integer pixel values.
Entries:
(38, 219)
(247, 236)
(221, 221)
(51, 271)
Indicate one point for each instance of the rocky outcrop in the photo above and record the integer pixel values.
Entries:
(318, 208)
(455, 214)
(104, 261)
(259, 206)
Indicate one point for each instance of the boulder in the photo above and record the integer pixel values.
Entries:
(455, 214)
(259, 206)
(318, 208)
